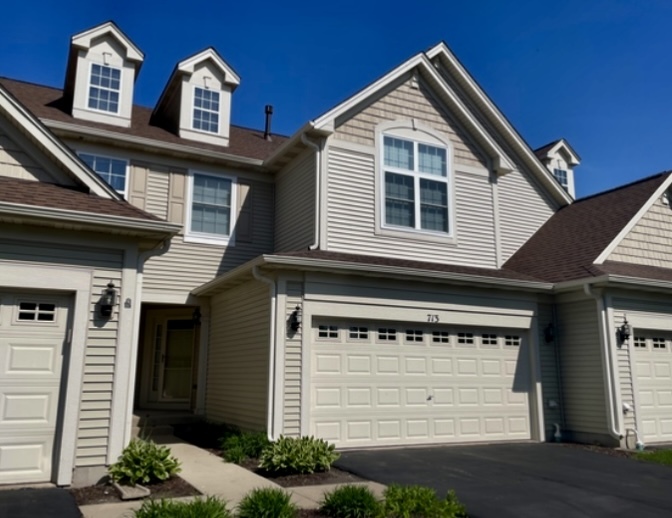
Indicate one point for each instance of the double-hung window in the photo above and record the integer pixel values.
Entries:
(415, 178)
(206, 110)
(561, 176)
(112, 170)
(210, 208)
(104, 88)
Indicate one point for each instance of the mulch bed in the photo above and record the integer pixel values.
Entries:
(310, 513)
(333, 476)
(604, 450)
(105, 493)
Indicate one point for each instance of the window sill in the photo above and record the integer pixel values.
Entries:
(416, 235)
(209, 239)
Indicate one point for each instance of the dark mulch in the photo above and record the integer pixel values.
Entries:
(333, 476)
(604, 450)
(104, 493)
(310, 513)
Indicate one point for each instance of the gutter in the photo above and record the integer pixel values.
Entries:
(318, 186)
(607, 362)
(270, 422)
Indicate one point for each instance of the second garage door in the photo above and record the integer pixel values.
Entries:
(375, 383)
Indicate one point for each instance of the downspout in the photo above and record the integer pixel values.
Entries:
(142, 259)
(270, 431)
(607, 363)
(318, 188)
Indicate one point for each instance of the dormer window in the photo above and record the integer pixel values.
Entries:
(561, 177)
(104, 88)
(206, 110)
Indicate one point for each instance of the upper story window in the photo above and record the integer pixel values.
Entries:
(104, 88)
(415, 177)
(210, 209)
(206, 110)
(561, 176)
(113, 170)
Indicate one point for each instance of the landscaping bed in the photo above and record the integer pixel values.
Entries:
(105, 493)
(333, 476)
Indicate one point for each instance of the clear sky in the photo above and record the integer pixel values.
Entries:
(597, 72)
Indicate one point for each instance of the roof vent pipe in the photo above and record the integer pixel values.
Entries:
(267, 129)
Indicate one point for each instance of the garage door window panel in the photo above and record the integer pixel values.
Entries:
(358, 333)
(639, 342)
(465, 339)
(489, 340)
(441, 338)
(414, 337)
(387, 334)
(327, 332)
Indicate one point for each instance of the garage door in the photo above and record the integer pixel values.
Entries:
(33, 329)
(653, 366)
(375, 384)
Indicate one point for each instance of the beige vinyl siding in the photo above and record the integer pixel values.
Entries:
(295, 204)
(650, 241)
(523, 209)
(237, 375)
(157, 193)
(293, 351)
(408, 102)
(188, 265)
(625, 368)
(583, 385)
(352, 219)
(550, 384)
(101, 345)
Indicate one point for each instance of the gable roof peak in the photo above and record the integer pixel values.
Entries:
(83, 40)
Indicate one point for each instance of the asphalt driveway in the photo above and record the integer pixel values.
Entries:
(525, 480)
(38, 503)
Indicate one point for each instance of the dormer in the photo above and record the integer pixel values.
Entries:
(560, 159)
(102, 67)
(196, 102)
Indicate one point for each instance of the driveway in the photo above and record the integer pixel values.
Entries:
(38, 503)
(525, 480)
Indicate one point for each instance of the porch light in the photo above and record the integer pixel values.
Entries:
(295, 319)
(625, 330)
(108, 300)
(196, 316)
(549, 332)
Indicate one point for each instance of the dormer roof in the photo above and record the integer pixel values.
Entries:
(548, 151)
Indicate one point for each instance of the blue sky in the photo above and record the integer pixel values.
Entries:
(596, 72)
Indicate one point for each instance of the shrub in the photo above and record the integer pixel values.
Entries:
(238, 447)
(210, 507)
(411, 501)
(144, 462)
(266, 503)
(351, 502)
(295, 455)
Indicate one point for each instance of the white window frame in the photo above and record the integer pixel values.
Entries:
(203, 237)
(417, 133)
(557, 170)
(124, 193)
(193, 109)
(89, 85)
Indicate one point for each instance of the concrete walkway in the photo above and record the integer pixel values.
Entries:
(213, 477)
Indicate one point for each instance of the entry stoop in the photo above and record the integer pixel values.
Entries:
(149, 424)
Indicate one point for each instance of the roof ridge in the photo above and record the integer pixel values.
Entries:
(621, 187)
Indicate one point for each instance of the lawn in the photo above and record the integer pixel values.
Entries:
(656, 456)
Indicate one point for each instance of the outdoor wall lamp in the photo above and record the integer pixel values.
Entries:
(549, 332)
(108, 300)
(625, 330)
(196, 316)
(295, 319)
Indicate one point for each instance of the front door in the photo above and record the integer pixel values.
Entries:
(169, 358)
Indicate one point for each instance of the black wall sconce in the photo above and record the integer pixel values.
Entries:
(295, 319)
(108, 301)
(625, 330)
(196, 316)
(549, 333)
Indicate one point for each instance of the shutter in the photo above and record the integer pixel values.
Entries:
(137, 188)
(244, 209)
(177, 194)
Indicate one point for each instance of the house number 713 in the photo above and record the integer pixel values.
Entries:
(432, 318)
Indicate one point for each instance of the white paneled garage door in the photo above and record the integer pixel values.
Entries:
(375, 384)
(653, 367)
(33, 329)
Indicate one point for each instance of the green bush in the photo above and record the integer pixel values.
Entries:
(266, 503)
(293, 455)
(144, 462)
(236, 447)
(351, 502)
(210, 507)
(412, 501)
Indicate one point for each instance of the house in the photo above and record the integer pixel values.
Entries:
(402, 270)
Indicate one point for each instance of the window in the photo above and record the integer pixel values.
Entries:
(640, 342)
(440, 337)
(104, 88)
(488, 339)
(327, 331)
(112, 170)
(359, 333)
(206, 110)
(465, 338)
(561, 176)
(387, 334)
(210, 215)
(415, 177)
(414, 335)
(658, 343)
(512, 341)
(37, 311)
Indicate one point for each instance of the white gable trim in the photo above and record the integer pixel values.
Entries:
(58, 151)
(501, 162)
(631, 224)
(503, 125)
(188, 65)
(574, 159)
(83, 40)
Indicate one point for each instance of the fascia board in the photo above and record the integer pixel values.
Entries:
(562, 144)
(190, 63)
(500, 121)
(175, 149)
(631, 224)
(83, 39)
(16, 210)
(39, 132)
